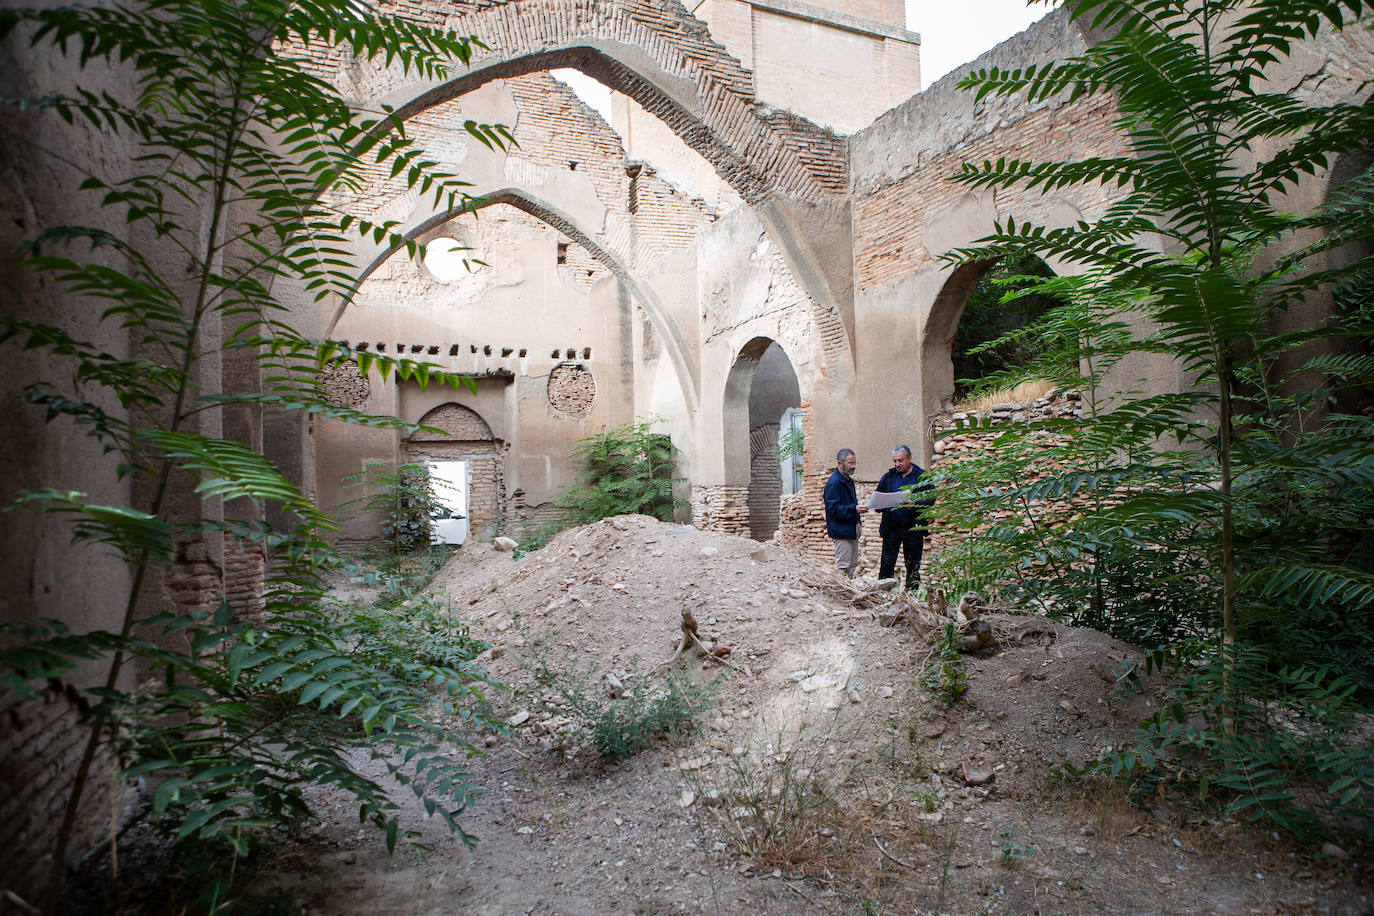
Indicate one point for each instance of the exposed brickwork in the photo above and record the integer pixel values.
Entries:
(461, 424)
(765, 481)
(523, 518)
(887, 221)
(41, 742)
(198, 583)
(558, 130)
(572, 390)
(754, 150)
(244, 569)
(664, 219)
(721, 508)
(195, 582)
(344, 386)
(967, 445)
(470, 439)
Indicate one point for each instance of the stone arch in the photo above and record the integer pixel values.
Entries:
(664, 58)
(657, 53)
(937, 337)
(726, 507)
(669, 334)
(774, 392)
(465, 436)
(735, 411)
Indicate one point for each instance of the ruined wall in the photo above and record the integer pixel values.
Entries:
(970, 433)
(721, 508)
(906, 213)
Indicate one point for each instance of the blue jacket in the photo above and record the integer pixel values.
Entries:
(906, 518)
(841, 508)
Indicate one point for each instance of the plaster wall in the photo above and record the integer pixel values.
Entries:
(513, 324)
(838, 64)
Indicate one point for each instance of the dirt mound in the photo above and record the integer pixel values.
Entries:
(824, 778)
(803, 642)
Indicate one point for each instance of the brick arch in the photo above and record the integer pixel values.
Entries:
(613, 261)
(794, 173)
(459, 423)
(663, 57)
(468, 437)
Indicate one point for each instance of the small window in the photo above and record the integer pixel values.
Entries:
(586, 352)
(562, 252)
(453, 350)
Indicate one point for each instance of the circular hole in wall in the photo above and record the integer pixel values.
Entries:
(571, 389)
(444, 259)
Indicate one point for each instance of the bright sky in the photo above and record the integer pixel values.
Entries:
(954, 32)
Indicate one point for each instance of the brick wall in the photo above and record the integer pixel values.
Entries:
(968, 444)
(765, 481)
(198, 582)
(244, 568)
(721, 508)
(41, 743)
(486, 478)
(572, 389)
(664, 218)
(888, 244)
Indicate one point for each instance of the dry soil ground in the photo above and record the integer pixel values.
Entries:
(823, 779)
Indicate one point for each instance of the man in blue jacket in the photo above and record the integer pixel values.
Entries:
(904, 528)
(842, 512)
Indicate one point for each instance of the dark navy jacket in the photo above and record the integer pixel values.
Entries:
(841, 508)
(905, 517)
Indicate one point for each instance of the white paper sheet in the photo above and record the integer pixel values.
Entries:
(887, 500)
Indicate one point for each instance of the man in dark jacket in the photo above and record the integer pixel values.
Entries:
(842, 512)
(904, 528)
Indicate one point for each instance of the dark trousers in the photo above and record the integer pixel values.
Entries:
(908, 542)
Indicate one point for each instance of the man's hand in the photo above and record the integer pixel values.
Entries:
(862, 508)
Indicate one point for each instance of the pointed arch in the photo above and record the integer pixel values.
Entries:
(646, 298)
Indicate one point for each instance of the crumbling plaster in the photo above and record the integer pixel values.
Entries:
(853, 287)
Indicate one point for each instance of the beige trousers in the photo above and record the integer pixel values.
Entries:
(847, 557)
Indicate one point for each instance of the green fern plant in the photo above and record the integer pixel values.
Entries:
(404, 500)
(244, 155)
(1234, 514)
(945, 676)
(627, 470)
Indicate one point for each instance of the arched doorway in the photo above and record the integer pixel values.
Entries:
(465, 445)
(761, 393)
(979, 303)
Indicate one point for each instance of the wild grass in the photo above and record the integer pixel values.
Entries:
(1021, 393)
